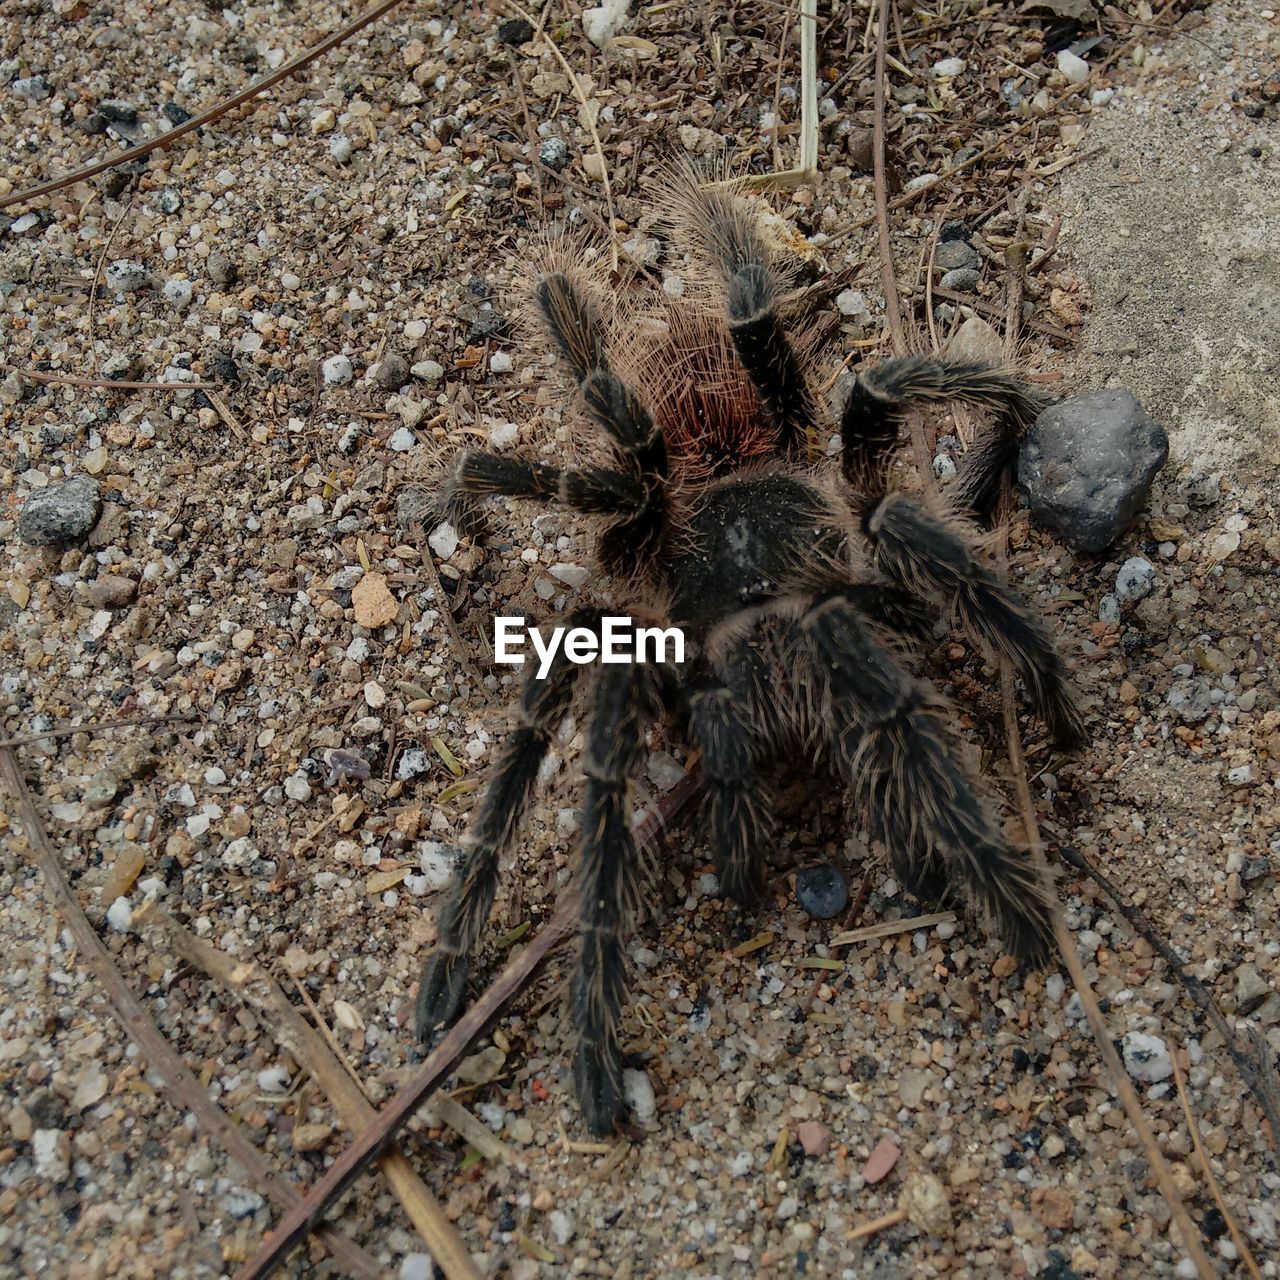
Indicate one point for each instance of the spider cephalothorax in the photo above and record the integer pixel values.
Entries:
(799, 588)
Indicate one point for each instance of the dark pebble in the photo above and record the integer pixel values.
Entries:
(822, 891)
(117, 111)
(515, 31)
(175, 114)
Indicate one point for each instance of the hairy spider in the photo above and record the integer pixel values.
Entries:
(799, 587)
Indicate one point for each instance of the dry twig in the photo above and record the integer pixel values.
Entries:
(184, 1088)
(258, 990)
(107, 384)
(304, 1217)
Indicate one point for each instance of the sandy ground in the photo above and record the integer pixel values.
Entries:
(244, 543)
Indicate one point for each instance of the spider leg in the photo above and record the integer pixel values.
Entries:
(884, 730)
(730, 239)
(492, 831)
(738, 813)
(627, 699)
(929, 555)
(880, 396)
(576, 327)
(477, 474)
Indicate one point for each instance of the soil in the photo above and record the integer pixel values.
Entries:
(257, 568)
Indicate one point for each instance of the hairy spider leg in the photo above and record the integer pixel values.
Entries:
(543, 705)
(478, 474)
(929, 555)
(737, 809)
(885, 732)
(640, 449)
(881, 395)
(726, 233)
(627, 699)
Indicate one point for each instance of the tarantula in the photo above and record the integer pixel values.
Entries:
(798, 587)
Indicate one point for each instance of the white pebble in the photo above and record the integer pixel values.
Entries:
(563, 1227)
(503, 434)
(417, 1266)
(664, 770)
(296, 787)
(428, 370)
(572, 575)
(1074, 68)
(853, 303)
(1055, 987)
(949, 67)
(340, 148)
(1100, 97)
(500, 362)
(337, 371)
(602, 24)
(1146, 1058)
(120, 915)
(290, 281)
(443, 540)
(1136, 579)
(639, 1094)
(177, 293)
(273, 1079)
(402, 440)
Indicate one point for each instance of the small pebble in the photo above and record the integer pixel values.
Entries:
(947, 67)
(1190, 699)
(814, 1137)
(639, 1095)
(340, 148)
(61, 512)
(500, 362)
(927, 1204)
(221, 269)
(443, 540)
(391, 371)
(554, 153)
(33, 88)
(853, 303)
(337, 371)
(822, 891)
(120, 915)
(1146, 1057)
(402, 440)
(428, 371)
(962, 280)
(125, 276)
(881, 1161)
(1075, 69)
(177, 293)
(1136, 580)
(515, 31)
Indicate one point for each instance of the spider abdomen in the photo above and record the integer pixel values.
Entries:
(751, 539)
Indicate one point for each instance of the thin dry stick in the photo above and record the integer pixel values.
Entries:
(302, 1219)
(1250, 1054)
(1228, 1217)
(70, 730)
(108, 384)
(890, 1219)
(269, 81)
(254, 987)
(1066, 944)
(882, 192)
(887, 928)
(184, 1088)
(102, 260)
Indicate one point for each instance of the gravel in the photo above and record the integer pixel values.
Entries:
(247, 536)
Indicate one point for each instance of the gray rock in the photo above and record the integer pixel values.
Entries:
(1146, 1057)
(1190, 700)
(221, 269)
(956, 255)
(33, 88)
(554, 153)
(1136, 579)
(61, 513)
(962, 280)
(1087, 466)
(125, 276)
(392, 371)
(1109, 609)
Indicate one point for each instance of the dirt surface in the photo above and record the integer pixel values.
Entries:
(256, 565)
